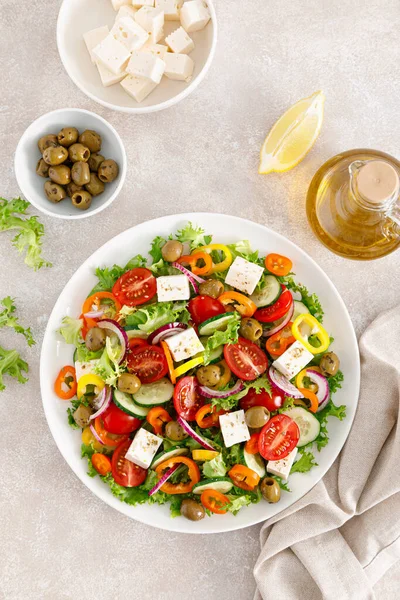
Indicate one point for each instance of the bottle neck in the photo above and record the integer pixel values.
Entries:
(362, 201)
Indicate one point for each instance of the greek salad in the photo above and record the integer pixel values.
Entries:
(202, 376)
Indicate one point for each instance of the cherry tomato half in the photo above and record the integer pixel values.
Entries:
(202, 308)
(245, 359)
(278, 437)
(148, 363)
(101, 463)
(277, 310)
(109, 439)
(214, 501)
(187, 400)
(117, 421)
(135, 287)
(124, 471)
(271, 401)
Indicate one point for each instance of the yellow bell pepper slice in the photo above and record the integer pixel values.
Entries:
(204, 454)
(89, 440)
(221, 266)
(190, 364)
(89, 379)
(300, 378)
(316, 329)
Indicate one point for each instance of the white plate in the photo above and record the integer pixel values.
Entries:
(225, 229)
(76, 17)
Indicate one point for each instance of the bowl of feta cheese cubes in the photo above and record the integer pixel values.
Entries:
(137, 56)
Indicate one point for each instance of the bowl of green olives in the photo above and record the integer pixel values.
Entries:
(70, 163)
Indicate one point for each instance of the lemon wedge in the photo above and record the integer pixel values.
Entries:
(293, 135)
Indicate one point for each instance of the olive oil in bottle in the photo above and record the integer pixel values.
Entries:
(353, 204)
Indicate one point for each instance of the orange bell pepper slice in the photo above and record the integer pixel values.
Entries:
(109, 439)
(214, 501)
(179, 488)
(193, 259)
(158, 417)
(311, 397)
(170, 361)
(244, 478)
(278, 264)
(101, 463)
(278, 343)
(66, 385)
(93, 303)
(208, 416)
(244, 305)
(251, 446)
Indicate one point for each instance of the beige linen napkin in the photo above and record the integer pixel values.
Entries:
(339, 540)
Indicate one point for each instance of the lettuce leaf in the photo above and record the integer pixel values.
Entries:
(85, 355)
(335, 382)
(151, 317)
(215, 467)
(244, 250)
(260, 384)
(108, 367)
(30, 231)
(12, 364)
(194, 236)
(109, 275)
(155, 251)
(219, 338)
(8, 319)
(310, 300)
(305, 463)
(330, 410)
(71, 330)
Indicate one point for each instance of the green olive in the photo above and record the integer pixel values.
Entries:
(42, 168)
(80, 173)
(68, 136)
(91, 139)
(82, 415)
(329, 364)
(95, 186)
(108, 171)
(60, 174)
(46, 141)
(270, 490)
(174, 431)
(95, 339)
(257, 416)
(95, 161)
(81, 200)
(78, 152)
(209, 376)
(54, 192)
(192, 510)
(55, 155)
(72, 188)
(171, 251)
(250, 329)
(212, 288)
(128, 383)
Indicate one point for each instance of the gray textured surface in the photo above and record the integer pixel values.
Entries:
(57, 539)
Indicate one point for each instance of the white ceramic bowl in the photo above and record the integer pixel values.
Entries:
(27, 155)
(76, 17)
(225, 229)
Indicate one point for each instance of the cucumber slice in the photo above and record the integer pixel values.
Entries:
(299, 309)
(126, 403)
(162, 456)
(216, 354)
(217, 323)
(309, 426)
(75, 357)
(254, 462)
(134, 332)
(269, 294)
(154, 394)
(221, 484)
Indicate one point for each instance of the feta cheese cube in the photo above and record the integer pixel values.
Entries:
(281, 468)
(116, 4)
(178, 66)
(107, 77)
(194, 16)
(293, 360)
(137, 87)
(152, 21)
(171, 8)
(244, 275)
(173, 287)
(156, 49)
(129, 33)
(146, 65)
(184, 345)
(112, 54)
(93, 38)
(140, 3)
(179, 41)
(234, 428)
(125, 11)
(85, 368)
(143, 448)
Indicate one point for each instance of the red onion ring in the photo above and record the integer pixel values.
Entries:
(166, 331)
(96, 435)
(121, 333)
(163, 479)
(106, 401)
(323, 386)
(198, 438)
(283, 384)
(284, 321)
(191, 276)
(94, 314)
(210, 393)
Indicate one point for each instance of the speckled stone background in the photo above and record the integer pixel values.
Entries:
(56, 539)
